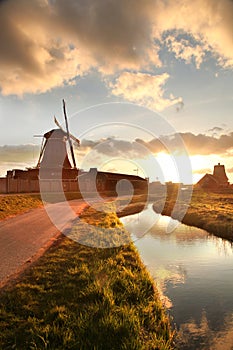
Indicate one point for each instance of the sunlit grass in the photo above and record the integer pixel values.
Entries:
(18, 204)
(78, 297)
(210, 211)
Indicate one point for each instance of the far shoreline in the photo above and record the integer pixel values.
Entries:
(209, 211)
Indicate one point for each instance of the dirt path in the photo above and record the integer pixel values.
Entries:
(25, 236)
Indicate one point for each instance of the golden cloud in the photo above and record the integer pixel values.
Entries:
(144, 89)
(200, 144)
(45, 44)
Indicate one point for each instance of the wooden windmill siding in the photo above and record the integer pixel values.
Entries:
(54, 158)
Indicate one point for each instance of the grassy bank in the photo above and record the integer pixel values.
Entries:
(17, 204)
(14, 204)
(210, 211)
(78, 297)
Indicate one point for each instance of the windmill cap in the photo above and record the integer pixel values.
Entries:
(58, 133)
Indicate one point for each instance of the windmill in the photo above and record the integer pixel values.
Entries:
(53, 153)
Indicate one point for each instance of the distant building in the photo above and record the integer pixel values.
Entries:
(217, 180)
(95, 180)
(156, 187)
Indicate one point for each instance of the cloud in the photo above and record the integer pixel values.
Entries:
(112, 147)
(196, 145)
(32, 58)
(145, 89)
(230, 171)
(18, 157)
(180, 106)
(190, 53)
(116, 32)
(203, 171)
(216, 129)
(21, 156)
(210, 22)
(200, 144)
(89, 144)
(46, 44)
(19, 153)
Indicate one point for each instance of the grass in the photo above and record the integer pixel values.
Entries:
(79, 297)
(17, 204)
(210, 211)
(14, 204)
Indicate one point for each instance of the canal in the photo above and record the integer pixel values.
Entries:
(194, 274)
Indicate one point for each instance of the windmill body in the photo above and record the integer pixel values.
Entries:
(54, 159)
(53, 162)
(55, 153)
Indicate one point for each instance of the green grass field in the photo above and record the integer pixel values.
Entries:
(78, 297)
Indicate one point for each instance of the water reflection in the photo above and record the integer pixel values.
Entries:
(174, 274)
(194, 274)
(203, 337)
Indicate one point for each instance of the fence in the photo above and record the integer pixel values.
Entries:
(9, 185)
(3, 185)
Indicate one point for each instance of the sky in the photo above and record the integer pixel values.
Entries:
(148, 84)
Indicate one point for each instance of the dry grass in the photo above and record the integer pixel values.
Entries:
(17, 204)
(210, 211)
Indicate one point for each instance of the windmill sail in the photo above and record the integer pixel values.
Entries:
(43, 145)
(71, 136)
(68, 135)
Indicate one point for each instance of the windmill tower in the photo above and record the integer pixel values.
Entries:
(54, 152)
(53, 159)
(220, 175)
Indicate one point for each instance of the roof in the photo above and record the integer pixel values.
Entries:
(57, 133)
(212, 177)
(114, 176)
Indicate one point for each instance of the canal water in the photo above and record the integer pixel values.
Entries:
(194, 274)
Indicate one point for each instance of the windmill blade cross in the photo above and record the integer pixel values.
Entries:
(43, 145)
(71, 136)
(68, 135)
(58, 124)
